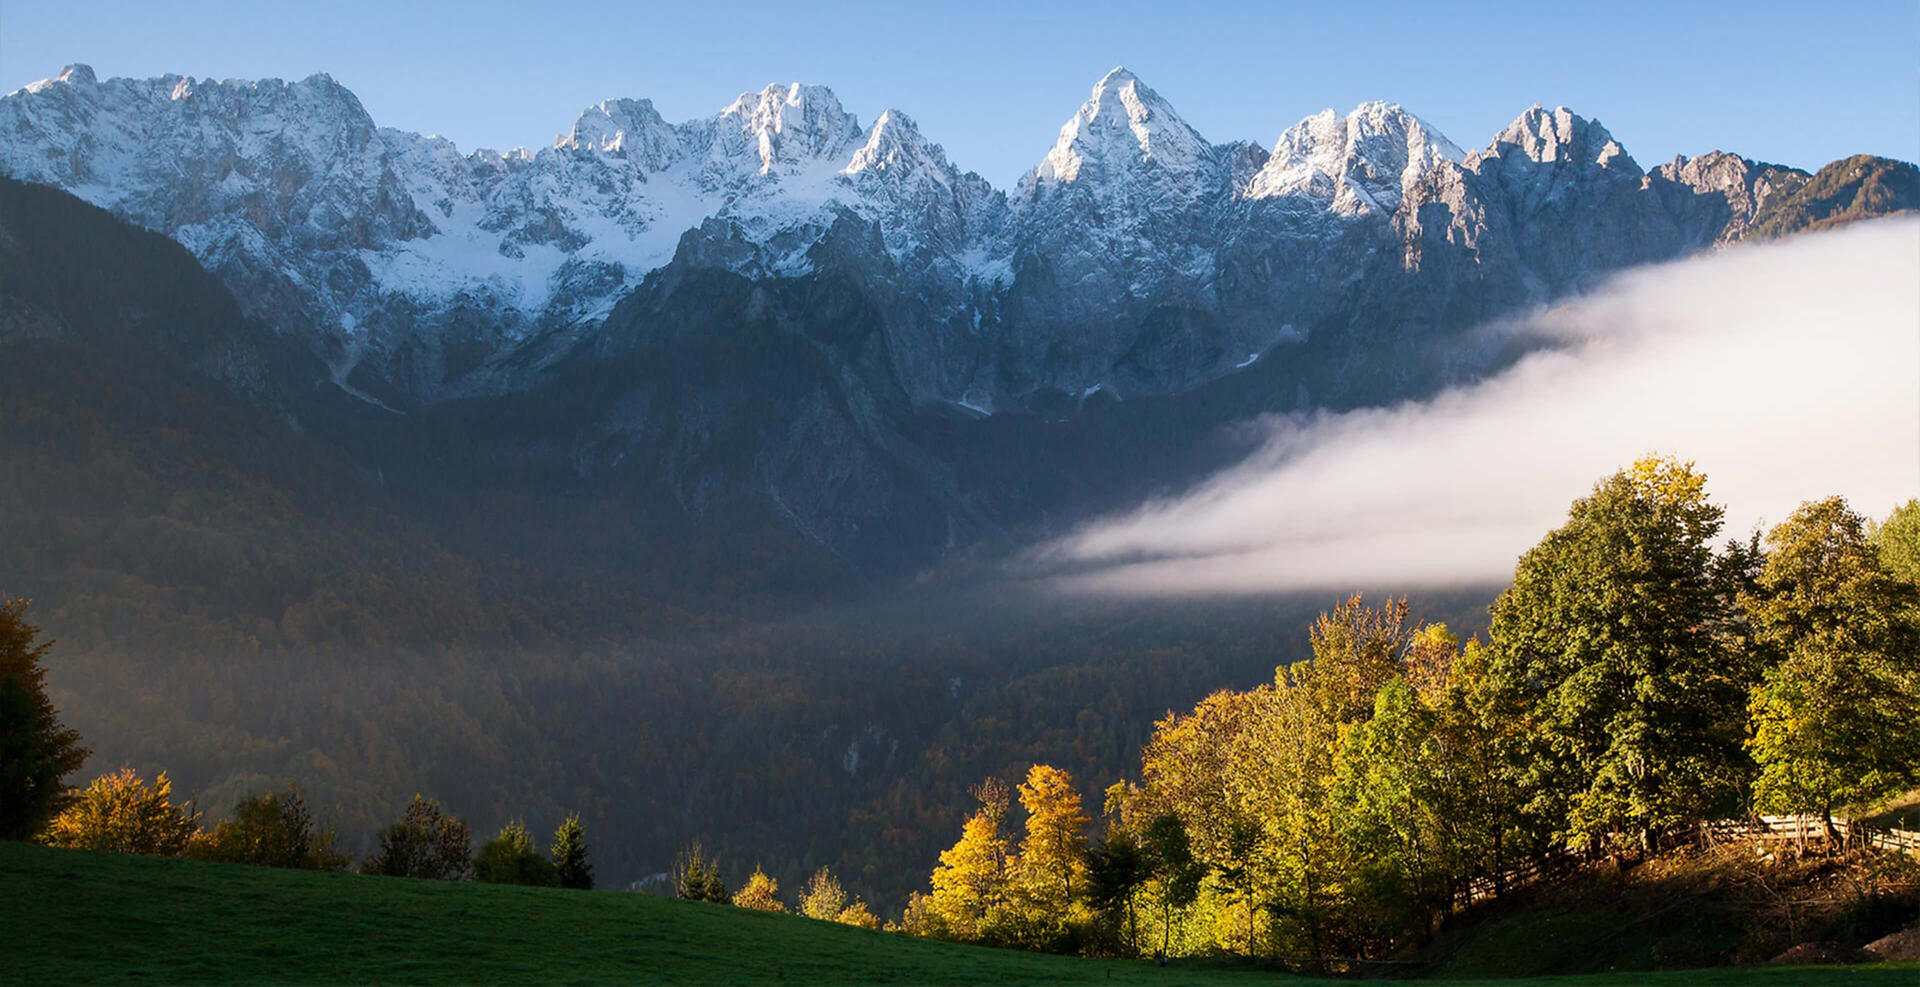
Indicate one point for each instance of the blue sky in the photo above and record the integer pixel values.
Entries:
(1798, 83)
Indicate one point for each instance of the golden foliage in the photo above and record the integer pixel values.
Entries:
(122, 813)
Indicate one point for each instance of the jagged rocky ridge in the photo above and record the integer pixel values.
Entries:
(665, 342)
(1136, 258)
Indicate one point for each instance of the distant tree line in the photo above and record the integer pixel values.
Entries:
(696, 877)
(1636, 682)
(121, 812)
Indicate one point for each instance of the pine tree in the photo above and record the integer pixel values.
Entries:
(696, 878)
(570, 855)
(36, 751)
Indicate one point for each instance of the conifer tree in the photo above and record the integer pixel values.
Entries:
(570, 855)
(697, 878)
(37, 752)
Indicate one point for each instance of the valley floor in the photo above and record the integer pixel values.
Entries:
(75, 917)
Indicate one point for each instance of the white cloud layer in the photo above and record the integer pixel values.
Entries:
(1786, 372)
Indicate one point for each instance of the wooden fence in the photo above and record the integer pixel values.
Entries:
(1798, 829)
(1810, 829)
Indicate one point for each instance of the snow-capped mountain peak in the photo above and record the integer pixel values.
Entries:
(895, 145)
(1136, 258)
(1360, 163)
(77, 74)
(1123, 125)
(628, 128)
(791, 126)
(1547, 136)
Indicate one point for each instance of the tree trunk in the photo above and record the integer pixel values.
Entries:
(1249, 921)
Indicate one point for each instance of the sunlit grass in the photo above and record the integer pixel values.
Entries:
(75, 917)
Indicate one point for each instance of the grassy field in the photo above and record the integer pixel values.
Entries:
(74, 917)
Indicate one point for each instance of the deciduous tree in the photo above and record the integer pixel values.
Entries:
(1175, 871)
(271, 829)
(1610, 645)
(1837, 719)
(1117, 868)
(511, 858)
(1898, 538)
(971, 878)
(1052, 859)
(822, 897)
(425, 842)
(122, 813)
(761, 893)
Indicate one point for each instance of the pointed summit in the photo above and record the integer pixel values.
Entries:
(627, 128)
(792, 123)
(895, 146)
(1359, 163)
(77, 74)
(1122, 126)
(1544, 136)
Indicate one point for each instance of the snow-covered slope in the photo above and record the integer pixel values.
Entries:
(1137, 257)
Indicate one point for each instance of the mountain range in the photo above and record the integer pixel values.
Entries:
(779, 310)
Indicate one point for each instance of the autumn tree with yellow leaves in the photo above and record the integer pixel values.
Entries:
(123, 813)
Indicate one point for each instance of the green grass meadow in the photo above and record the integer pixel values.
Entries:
(72, 917)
